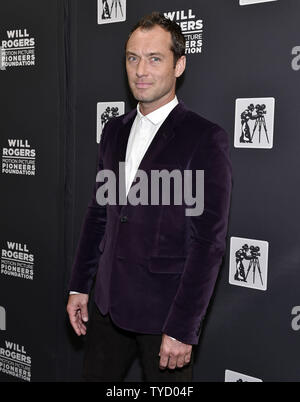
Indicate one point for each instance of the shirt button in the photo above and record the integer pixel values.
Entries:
(124, 219)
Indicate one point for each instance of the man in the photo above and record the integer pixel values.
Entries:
(157, 265)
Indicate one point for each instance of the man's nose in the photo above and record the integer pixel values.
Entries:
(141, 68)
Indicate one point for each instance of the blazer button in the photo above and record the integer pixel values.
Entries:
(124, 219)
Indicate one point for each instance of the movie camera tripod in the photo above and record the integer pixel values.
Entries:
(254, 263)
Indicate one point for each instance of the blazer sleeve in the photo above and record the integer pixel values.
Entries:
(87, 255)
(207, 240)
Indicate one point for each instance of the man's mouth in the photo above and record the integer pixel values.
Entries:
(143, 84)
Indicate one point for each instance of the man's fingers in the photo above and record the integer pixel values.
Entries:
(80, 323)
(180, 361)
(163, 362)
(172, 362)
(77, 324)
(84, 313)
(187, 358)
(74, 322)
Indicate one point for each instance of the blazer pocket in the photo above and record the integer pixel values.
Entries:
(166, 265)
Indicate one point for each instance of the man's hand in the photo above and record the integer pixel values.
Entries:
(78, 312)
(173, 353)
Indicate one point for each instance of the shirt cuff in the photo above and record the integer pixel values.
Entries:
(174, 338)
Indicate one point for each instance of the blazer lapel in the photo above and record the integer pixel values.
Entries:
(123, 136)
(161, 139)
(163, 136)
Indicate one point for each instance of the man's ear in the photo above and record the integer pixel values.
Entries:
(180, 66)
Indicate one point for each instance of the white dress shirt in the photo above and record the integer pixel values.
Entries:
(142, 133)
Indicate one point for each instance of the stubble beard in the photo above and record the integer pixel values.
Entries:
(150, 99)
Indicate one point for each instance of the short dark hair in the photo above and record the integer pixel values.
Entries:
(156, 18)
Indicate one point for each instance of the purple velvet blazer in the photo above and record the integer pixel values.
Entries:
(154, 267)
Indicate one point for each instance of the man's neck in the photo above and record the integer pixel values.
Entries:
(146, 108)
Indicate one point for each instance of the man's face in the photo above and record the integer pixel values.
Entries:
(150, 65)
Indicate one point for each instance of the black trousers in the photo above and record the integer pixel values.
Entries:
(111, 350)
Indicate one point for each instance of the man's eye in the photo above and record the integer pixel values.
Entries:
(131, 58)
(155, 59)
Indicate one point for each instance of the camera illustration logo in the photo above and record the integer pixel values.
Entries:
(254, 123)
(246, 2)
(234, 376)
(2, 319)
(248, 264)
(111, 11)
(105, 112)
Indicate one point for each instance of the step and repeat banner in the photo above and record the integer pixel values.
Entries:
(32, 191)
(62, 77)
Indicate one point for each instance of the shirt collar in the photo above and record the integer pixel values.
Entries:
(160, 114)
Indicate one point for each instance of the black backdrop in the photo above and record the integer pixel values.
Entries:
(247, 52)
